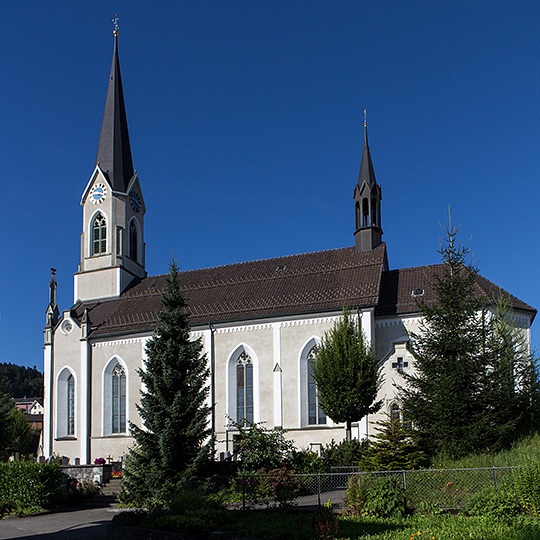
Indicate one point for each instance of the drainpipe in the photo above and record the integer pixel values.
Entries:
(212, 386)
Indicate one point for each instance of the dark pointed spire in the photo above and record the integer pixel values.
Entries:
(52, 312)
(114, 151)
(366, 174)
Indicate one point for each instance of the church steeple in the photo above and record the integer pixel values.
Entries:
(367, 203)
(112, 239)
(114, 150)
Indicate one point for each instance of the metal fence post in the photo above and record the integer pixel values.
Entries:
(403, 474)
(319, 490)
(495, 477)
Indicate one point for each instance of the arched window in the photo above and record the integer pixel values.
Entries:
(316, 415)
(374, 212)
(357, 214)
(133, 241)
(244, 388)
(65, 404)
(70, 405)
(365, 213)
(99, 235)
(118, 399)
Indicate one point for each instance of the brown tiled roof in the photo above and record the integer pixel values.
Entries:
(307, 283)
(397, 288)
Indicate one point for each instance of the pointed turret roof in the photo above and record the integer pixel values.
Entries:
(366, 174)
(114, 151)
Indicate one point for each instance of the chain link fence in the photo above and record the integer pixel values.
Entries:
(444, 489)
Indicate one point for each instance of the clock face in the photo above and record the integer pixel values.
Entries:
(135, 200)
(98, 193)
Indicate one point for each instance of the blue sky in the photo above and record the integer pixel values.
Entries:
(246, 120)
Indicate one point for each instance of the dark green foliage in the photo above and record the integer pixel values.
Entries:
(463, 397)
(527, 485)
(512, 386)
(344, 454)
(188, 512)
(394, 448)
(494, 503)
(20, 381)
(27, 485)
(347, 373)
(260, 447)
(15, 433)
(375, 496)
(307, 462)
(21, 432)
(173, 445)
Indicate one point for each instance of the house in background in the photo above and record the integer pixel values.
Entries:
(259, 321)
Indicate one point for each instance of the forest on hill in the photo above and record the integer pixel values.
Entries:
(20, 381)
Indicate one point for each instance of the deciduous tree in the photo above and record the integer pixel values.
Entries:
(347, 373)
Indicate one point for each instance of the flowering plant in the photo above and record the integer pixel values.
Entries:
(99, 461)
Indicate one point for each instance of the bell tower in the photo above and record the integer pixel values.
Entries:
(367, 203)
(112, 239)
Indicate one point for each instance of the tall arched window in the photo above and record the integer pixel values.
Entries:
(357, 214)
(118, 399)
(316, 415)
(70, 405)
(133, 241)
(65, 404)
(99, 235)
(244, 388)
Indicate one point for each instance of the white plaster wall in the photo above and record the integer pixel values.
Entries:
(67, 351)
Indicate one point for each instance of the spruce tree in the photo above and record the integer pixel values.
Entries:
(394, 447)
(463, 396)
(173, 442)
(347, 373)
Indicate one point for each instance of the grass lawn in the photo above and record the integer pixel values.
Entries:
(291, 525)
(302, 527)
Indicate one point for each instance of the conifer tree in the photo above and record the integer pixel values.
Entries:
(347, 373)
(394, 447)
(173, 442)
(463, 396)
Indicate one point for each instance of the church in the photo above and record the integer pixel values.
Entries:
(259, 321)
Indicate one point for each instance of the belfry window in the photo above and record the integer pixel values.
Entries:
(133, 240)
(118, 399)
(374, 212)
(316, 415)
(99, 235)
(244, 388)
(365, 213)
(70, 402)
(357, 214)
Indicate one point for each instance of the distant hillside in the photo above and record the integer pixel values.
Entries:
(20, 381)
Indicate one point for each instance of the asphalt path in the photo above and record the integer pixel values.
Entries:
(78, 523)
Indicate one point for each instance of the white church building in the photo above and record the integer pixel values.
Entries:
(259, 321)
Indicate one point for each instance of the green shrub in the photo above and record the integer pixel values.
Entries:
(261, 447)
(29, 485)
(527, 485)
(356, 494)
(495, 503)
(386, 499)
(375, 496)
(307, 462)
(344, 454)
